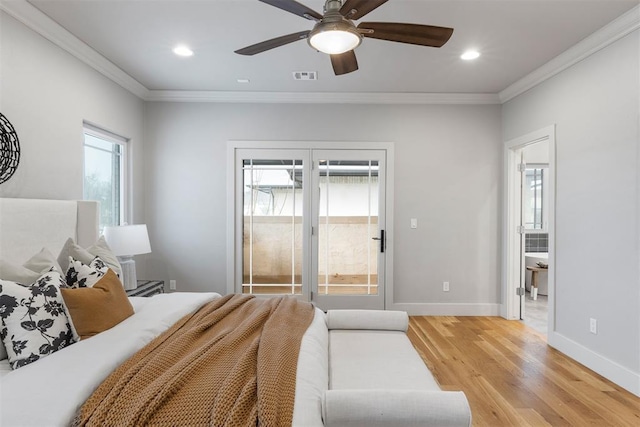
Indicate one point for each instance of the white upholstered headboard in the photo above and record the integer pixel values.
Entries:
(28, 225)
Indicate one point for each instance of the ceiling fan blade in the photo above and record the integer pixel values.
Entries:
(344, 63)
(356, 9)
(295, 8)
(424, 35)
(273, 43)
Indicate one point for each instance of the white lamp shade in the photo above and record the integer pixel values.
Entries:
(128, 240)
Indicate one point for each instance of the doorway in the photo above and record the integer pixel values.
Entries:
(311, 223)
(535, 221)
(528, 279)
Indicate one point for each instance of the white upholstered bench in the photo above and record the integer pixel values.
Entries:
(376, 377)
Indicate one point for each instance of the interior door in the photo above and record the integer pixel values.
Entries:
(348, 229)
(521, 231)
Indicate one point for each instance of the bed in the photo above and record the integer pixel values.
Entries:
(335, 383)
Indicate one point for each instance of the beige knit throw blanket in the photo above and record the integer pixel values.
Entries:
(231, 363)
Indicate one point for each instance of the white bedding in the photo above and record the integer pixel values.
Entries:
(5, 368)
(50, 391)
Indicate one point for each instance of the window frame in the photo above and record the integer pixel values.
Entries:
(105, 135)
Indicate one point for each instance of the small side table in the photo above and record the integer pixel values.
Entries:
(147, 288)
(534, 280)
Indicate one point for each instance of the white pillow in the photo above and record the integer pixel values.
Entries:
(100, 249)
(34, 319)
(30, 270)
(81, 275)
(38, 264)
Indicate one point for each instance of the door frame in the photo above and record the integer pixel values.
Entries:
(510, 307)
(232, 226)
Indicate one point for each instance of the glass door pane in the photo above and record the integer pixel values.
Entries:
(272, 233)
(348, 210)
(348, 222)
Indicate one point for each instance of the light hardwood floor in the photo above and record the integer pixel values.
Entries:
(513, 378)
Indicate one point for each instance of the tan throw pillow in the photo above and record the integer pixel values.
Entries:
(94, 310)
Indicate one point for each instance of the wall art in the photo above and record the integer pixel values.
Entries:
(9, 149)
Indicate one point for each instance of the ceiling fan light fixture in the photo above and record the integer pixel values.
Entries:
(470, 55)
(336, 34)
(334, 39)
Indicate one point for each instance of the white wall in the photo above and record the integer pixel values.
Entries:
(595, 106)
(447, 174)
(46, 94)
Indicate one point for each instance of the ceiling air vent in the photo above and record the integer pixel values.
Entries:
(305, 75)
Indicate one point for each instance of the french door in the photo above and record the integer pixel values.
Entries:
(311, 223)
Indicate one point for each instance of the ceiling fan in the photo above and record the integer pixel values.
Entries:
(335, 33)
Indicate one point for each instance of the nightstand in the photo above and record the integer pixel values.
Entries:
(147, 288)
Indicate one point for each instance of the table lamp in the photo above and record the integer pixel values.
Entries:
(126, 241)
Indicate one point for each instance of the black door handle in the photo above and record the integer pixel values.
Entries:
(382, 241)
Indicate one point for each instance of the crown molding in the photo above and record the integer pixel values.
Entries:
(607, 35)
(34, 19)
(321, 97)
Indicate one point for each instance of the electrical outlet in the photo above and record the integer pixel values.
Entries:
(593, 326)
(445, 286)
(172, 285)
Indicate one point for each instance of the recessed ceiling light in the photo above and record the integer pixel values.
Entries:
(243, 80)
(470, 54)
(182, 50)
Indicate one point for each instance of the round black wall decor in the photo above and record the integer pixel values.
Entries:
(9, 149)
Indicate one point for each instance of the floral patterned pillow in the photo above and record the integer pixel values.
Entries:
(34, 319)
(81, 275)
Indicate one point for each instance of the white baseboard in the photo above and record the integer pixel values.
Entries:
(434, 309)
(622, 376)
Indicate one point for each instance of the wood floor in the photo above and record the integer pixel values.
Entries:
(513, 378)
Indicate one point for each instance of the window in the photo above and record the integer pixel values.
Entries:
(104, 173)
